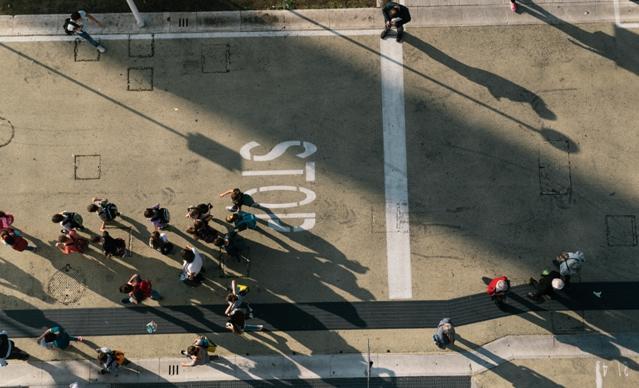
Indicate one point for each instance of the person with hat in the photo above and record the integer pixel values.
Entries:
(445, 334)
(569, 264)
(549, 282)
(498, 288)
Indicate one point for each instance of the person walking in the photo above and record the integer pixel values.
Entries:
(68, 221)
(14, 239)
(202, 230)
(395, 15)
(9, 350)
(191, 266)
(110, 360)
(112, 246)
(159, 216)
(498, 288)
(239, 199)
(6, 220)
(569, 264)
(445, 334)
(71, 243)
(513, 6)
(56, 337)
(138, 290)
(200, 212)
(75, 24)
(160, 242)
(107, 211)
(242, 220)
(549, 282)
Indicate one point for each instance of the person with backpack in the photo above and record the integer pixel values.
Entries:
(198, 353)
(497, 289)
(569, 264)
(107, 211)
(56, 337)
(237, 321)
(68, 221)
(160, 242)
(445, 334)
(395, 15)
(14, 239)
(5, 220)
(239, 199)
(235, 299)
(112, 246)
(72, 243)
(202, 230)
(9, 350)
(191, 266)
(549, 282)
(200, 212)
(242, 220)
(159, 216)
(111, 360)
(138, 290)
(74, 25)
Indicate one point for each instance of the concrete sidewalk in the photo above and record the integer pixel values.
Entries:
(425, 13)
(458, 362)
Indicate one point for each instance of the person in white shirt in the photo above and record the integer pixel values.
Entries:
(75, 25)
(191, 266)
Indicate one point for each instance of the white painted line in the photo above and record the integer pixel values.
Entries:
(310, 171)
(272, 172)
(618, 21)
(190, 35)
(395, 171)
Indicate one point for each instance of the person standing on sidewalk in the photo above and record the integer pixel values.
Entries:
(498, 288)
(111, 360)
(445, 334)
(395, 15)
(513, 5)
(159, 216)
(138, 289)
(72, 243)
(191, 267)
(239, 199)
(9, 350)
(14, 239)
(198, 353)
(75, 26)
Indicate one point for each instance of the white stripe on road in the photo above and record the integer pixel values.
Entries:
(395, 172)
(190, 35)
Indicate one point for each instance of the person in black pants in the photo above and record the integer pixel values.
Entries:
(9, 350)
(395, 15)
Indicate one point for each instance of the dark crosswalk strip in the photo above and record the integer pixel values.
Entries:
(317, 316)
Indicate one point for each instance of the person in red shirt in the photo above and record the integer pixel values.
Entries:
(5, 220)
(72, 243)
(138, 290)
(498, 288)
(14, 239)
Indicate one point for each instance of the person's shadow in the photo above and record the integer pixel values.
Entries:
(498, 86)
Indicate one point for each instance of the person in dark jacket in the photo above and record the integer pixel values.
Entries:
(549, 282)
(395, 15)
(9, 350)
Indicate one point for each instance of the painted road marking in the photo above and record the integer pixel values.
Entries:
(395, 171)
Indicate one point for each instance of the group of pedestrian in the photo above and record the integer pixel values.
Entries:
(550, 282)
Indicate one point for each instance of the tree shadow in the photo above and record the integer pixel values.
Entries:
(517, 375)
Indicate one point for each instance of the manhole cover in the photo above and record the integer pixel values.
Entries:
(6, 132)
(67, 285)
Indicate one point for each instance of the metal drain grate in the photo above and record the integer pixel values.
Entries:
(67, 285)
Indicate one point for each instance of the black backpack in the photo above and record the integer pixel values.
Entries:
(108, 212)
(68, 22)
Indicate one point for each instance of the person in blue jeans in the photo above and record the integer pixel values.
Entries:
(445, 334)
(242, 220)
(75, 25)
